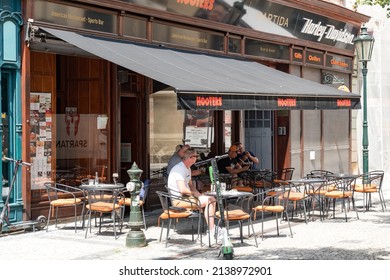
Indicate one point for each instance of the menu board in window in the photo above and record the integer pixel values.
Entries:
(198, 128)
(40, 138)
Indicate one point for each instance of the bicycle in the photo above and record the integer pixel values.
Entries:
(39, 223)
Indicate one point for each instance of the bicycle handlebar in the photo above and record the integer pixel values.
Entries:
(20, 162)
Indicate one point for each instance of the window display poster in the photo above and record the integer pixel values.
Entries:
(198, 137)
(78, 136)
(40, 138)
(198, 128)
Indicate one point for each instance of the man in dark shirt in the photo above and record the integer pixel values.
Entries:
(229, 165)
(245, 157)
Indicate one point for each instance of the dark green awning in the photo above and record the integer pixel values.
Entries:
(204, 81)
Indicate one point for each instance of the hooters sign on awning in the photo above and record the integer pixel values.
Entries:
(197, 101)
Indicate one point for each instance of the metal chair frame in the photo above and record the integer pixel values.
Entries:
(63, 196)
(171, 212)
(370, 183)
(273, 201)
(104, 201)
(345, 192)
(244, 204)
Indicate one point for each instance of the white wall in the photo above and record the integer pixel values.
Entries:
(378, 93)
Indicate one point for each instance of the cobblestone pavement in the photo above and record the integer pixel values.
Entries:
(366, 238)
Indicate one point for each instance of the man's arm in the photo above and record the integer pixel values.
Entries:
(253, 158)
(182, 188)
(237, 170)
(193, 189)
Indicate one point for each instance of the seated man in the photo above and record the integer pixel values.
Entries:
(178, 157)
(229, 165)
(245, 157)
(180, 184)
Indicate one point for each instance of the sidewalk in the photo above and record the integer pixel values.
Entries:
(332, 239)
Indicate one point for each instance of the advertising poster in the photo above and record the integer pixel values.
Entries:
(198, 128)
(80, 136)
(40, 138)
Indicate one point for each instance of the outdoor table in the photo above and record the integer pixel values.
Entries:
(103, 193)
(228, 195)
(108, 186)
(242, 204)
(341, 176)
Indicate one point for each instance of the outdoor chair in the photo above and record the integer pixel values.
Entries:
(368, 184)
(299, 196)
(284, 174)
(173, 213)
(264, 180)
(281, 178)
(239, 211)
(274, 201)
(344, 192)
(319, 173)
(63, 196)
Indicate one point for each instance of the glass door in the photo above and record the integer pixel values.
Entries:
(4, 134)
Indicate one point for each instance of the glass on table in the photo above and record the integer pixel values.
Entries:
(223, 187)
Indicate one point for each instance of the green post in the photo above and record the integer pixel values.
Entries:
(364, 45)
(135, 236)
(365, 122)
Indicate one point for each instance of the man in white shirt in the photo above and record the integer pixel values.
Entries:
(180, 184)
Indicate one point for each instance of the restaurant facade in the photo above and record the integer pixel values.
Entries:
(96, 86)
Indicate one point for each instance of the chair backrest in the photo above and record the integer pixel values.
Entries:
(276, 196)
(164, 200)
(319, 173)
(172, 192)
(285, 173)
(105, 195)
(53, 190)
(245, 203)
(347, 185)
(85, 181)
(371, 179)
(144, 193)
(376, 177)
(266, 175)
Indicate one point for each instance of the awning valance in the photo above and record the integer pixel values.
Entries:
(204, 81)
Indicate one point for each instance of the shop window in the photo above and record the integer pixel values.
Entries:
(166, 128)
(69, 127)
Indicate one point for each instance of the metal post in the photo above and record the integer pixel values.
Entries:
(364, 45)
(365, 123)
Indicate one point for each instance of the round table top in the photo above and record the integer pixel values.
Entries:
(231, 193)
(306, 180)
(103, 186)
(342, 176)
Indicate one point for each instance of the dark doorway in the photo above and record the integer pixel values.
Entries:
(129, 139)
